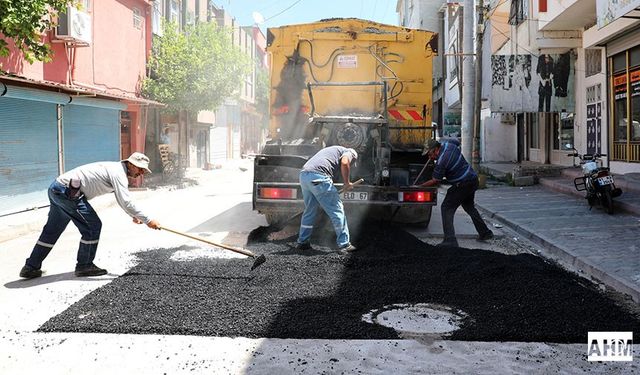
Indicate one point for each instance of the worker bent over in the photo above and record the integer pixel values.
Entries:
(69, 195)
(450, 164)
(316, 181)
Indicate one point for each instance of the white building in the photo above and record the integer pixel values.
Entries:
(595, 61)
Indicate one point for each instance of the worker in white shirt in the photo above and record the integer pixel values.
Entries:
(69, 195)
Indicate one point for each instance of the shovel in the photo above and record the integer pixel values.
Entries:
(258, 259)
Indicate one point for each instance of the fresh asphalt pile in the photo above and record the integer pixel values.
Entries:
(323, 294)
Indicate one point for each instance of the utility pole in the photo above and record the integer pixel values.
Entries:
(475, 164)
(468, 81)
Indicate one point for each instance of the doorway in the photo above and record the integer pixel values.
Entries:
(125, 135)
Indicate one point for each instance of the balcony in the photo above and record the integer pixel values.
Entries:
(567, 15)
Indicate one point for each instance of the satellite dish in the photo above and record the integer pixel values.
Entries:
(257, 18)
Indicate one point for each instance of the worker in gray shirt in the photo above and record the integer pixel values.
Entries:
(69, 195)
(316, 182)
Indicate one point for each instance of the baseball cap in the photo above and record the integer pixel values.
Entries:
(140, 160)
(429, 144)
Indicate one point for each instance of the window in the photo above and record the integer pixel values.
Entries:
(137, 18)
(519, 12)
(635, 105)
(634, 57)
(625, 124)
(156, 18)
(620, 107)
(620, 62)
(174, 12)
(533, 131)
(593, 61)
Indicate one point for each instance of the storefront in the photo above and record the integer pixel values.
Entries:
(45, 133)
(624, 76)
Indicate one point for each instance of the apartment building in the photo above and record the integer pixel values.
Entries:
(83, 106)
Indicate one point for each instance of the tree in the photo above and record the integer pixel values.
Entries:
(25, 22)
(262, 94)
(195, 70)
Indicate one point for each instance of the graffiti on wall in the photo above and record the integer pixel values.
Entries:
(529, 83)
(594, 119)
(610, 10)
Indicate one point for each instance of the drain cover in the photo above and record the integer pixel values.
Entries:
(422, 318)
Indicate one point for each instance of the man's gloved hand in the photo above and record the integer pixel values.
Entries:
(154, 225)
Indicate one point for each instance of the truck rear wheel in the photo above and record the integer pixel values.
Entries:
(278, 219)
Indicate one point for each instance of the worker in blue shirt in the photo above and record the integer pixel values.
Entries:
(450, 164)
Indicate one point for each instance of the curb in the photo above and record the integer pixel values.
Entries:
(567, 259)
(556, 186)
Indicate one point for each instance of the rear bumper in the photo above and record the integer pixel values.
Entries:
(378, 196)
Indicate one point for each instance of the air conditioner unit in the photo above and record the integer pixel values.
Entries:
(74, 26)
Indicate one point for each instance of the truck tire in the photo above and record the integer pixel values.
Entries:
(278, 219)
(424, 224)
(607, 202)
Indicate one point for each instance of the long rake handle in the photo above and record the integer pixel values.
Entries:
(227, 247)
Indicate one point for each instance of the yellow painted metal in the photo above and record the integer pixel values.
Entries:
(354, 50)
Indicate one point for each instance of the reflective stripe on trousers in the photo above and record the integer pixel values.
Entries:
(61, 211)
(318, 191)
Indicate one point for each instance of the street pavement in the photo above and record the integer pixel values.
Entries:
(226, 193)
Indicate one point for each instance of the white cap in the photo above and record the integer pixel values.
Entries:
(140, 160)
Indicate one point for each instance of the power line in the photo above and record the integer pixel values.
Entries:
(284, 10)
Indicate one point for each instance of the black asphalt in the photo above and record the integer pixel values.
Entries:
(322, 294)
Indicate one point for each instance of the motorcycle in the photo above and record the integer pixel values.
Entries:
(596, 180)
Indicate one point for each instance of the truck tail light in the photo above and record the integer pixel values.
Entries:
(278, 193)
(415, 196)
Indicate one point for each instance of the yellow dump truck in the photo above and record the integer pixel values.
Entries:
(358, 84)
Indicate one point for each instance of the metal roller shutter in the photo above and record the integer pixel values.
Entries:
(28, 153)
(90, 134)
(218, 142)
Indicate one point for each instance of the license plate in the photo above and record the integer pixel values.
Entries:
(606, 180)
(355, 196)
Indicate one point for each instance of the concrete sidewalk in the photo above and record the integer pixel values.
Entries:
(600, 246)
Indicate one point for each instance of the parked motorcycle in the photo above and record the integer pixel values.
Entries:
(596, 180)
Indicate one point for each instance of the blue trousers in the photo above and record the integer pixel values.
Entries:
(61, 211)
(318, 191)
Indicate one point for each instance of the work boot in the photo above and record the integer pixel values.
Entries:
(448, 243)
(89, 270)
(29, 272)
(348, 248)
(485, 236)
(303, 246)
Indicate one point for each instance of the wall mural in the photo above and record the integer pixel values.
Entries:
(610, 10)
(529, 83)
